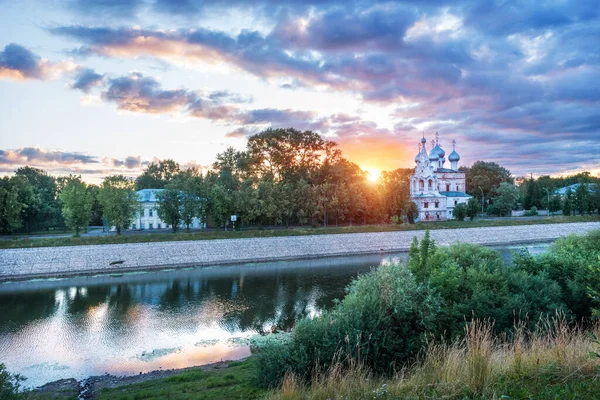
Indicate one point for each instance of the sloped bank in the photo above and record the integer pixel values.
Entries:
(45, 262)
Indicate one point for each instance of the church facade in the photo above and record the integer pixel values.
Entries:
(434, 188)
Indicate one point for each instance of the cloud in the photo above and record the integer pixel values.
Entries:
(129, 162)
(17, 62)
(86, 79)
(35, 155)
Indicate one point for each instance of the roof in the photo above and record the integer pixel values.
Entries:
(455, 194)
(562, 191)
(426, 195)
(445, 170)
(148, 194)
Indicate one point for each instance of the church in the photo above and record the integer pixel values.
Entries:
(434, 188)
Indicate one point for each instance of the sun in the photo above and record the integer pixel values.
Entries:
(372, 174)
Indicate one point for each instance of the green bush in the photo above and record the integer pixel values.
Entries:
(532, 212)
(381, 322)
(10, 385)
(460, 211)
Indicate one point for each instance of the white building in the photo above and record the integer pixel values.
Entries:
(147, 217)
(435, 189)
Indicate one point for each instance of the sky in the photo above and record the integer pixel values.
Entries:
(106, 86)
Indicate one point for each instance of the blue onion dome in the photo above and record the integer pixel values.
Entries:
(440, 151)
(433, 156)
(454, 156)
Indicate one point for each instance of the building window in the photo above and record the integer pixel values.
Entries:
(448, 187)
(133, 226)
(151, 225)
(429, 184)
(426, 205)
(421, 185)
(455, 202)
(142, 226)
(437, 204)
(142, 212)
(150, 212)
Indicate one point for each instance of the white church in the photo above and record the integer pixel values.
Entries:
(435, 189)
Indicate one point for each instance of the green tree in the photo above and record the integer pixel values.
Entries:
(76, 203)
(460, 211)
(473, 208)
(533, 194)
(10, 205)
(485, 175)
(567, 203)
(220, 205)
(169, 207)
(505, 200)
(157, 175)
(582, 200)
(45, 211)
(555, 204)
(119, 201)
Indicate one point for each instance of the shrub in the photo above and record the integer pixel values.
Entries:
(10, 385)
(381, 322)
(460, 211)
(532, 212)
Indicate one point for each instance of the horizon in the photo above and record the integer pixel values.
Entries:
(103, 88)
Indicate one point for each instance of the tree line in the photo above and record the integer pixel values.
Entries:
(283, 177)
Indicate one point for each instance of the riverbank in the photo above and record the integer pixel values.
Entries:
(45, 262)
(224, 379)
(162, 235)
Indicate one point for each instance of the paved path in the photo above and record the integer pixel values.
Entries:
(64, 261)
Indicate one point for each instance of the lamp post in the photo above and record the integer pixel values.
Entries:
(548, 204)
(482, 200)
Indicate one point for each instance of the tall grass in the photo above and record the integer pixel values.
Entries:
(480, 365)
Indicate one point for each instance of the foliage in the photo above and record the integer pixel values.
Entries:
(555, 204)
(473, 208)
(412, 212)
(43, 208)
(567, 204)
(531, 212)
(505, 200)
(583, 199)
(10, 385)
(157, 175)
(119, 201)
(380, 323)
(169, 207)
(76, 203)
(485, 175)
(460, 211)
(10, 205)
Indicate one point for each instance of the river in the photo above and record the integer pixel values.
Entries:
(138, 322)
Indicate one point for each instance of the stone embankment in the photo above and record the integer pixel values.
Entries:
(116, 258)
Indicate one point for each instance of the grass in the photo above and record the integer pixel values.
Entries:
(166, 237)
(236, 381)
(553, 363)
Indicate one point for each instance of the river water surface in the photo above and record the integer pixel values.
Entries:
(138, 322)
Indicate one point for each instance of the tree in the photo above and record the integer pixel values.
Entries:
(119, 201)
(412, 212)
(169, 207)
(76, 203)
(460, 211)
(505, 200)
(10, 205)
(157, 175)
(472, 208)
(555, 204)
(582, 201)
(193, 196)
(485, 175)
(567, 204)
(46, 210)
(533, 194)
(220, 204)
(10, 385)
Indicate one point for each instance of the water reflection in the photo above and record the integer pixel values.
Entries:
(53, 329)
